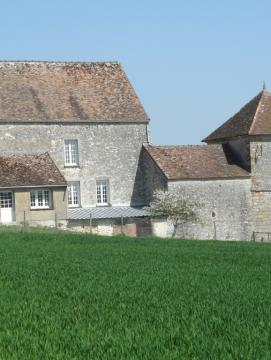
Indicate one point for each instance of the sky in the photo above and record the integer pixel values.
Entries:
(192, 63)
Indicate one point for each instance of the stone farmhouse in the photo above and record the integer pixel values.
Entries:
(75, 153)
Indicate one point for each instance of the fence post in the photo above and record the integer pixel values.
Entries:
(90, 223)
(24, 220)
(121, 221)
(55, 220)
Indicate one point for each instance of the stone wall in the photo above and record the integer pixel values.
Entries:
(260, 152)
(129, 226)
(152, 177)
(225, 211)
(105, 151)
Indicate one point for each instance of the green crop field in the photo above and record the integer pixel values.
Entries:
(77, 296)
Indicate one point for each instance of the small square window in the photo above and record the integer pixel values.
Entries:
(74, 194)
(40, 199)
(71, 152)
(102, 192)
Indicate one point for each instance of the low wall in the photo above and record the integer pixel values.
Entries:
(107, 227)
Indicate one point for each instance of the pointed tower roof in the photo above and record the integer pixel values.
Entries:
(253, 119)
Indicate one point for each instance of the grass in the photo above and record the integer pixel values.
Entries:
(77, 296)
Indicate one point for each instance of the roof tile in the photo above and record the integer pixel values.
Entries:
(253, 119)
(67, 91)
(29, 170)
(196, 162)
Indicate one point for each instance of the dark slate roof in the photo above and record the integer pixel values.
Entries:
(106, 213)
(29, 170)
(196, 162)
(253, 119)
(67, 91)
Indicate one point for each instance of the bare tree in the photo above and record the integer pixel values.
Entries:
(174, 207)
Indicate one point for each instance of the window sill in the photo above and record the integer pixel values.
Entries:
(41, 209)
(74, 206)
(71, 166)
(103, 205)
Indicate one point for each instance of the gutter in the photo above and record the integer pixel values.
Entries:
(212, 178)
(31, 186)
(73, 122)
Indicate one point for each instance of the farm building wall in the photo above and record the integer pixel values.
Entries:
(56, 216)
(129, 226)
(108, 151)
(153, 178)
(224, 212)
(231, 209)
(260, 153)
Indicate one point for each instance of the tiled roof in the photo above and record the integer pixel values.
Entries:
(196, 162)
(105, 213)
(67, 91)
(29, 170)
(253, 119)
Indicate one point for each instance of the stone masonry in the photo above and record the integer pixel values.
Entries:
(234, 190)
(42, 104)
(105, 150)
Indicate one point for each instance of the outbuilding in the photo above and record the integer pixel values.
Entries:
(32, 191)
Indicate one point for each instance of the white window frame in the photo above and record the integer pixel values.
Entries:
(6, 199)
(101, 198)
(71, 152)
(72, 193)
(37, 202)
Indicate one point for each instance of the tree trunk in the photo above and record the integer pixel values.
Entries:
(175, 226)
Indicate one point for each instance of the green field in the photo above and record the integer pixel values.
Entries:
(76, 296)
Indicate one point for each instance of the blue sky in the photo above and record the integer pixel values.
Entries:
(193, 63)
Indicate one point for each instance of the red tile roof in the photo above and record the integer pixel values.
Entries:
(67, 91)
(29, 170)
(253, 119)
(196, 162)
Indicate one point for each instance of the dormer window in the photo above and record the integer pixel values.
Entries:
(71, 153)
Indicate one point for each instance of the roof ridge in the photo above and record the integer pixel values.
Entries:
(61, 61)
(256, 113)
(266, 91)
(175, 146)
(25, 154)
(238, 124)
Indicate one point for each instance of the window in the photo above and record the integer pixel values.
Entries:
(102, 192)
(71, 152)
(6, 199)
(40, 199)
(74, 193)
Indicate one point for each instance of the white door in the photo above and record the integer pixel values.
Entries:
(6, 208)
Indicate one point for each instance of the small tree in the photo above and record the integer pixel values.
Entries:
(172, 206)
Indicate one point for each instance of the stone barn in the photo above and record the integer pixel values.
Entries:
(90, 122)
(230, 176)
(75, 153)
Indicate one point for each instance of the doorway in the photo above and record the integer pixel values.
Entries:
(6, 207)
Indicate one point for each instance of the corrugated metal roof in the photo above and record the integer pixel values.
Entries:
(105, 213)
